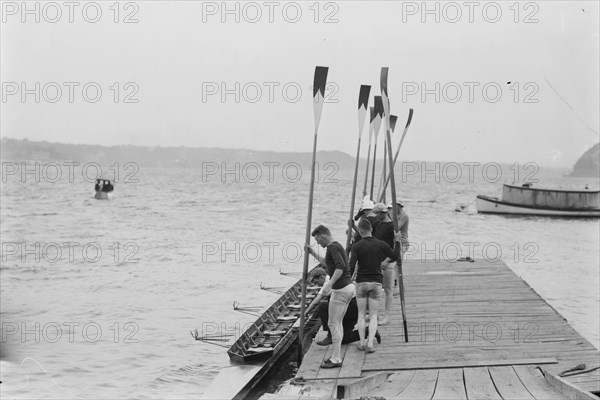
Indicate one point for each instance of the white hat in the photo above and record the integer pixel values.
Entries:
(367, 204)
(391, 205)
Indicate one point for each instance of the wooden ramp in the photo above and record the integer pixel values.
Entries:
(476, 331)
(231, 381)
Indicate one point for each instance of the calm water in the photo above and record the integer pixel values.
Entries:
(109, 326)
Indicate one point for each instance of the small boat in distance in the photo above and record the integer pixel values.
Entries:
(103, 187)
(527, 200)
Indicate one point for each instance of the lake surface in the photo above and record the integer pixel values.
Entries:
(106, 309)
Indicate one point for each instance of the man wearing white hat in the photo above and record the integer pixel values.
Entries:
(366, 211)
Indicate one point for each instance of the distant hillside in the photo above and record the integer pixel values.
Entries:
(588, 164)
(25, 150)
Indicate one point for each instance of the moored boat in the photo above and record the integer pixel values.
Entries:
(527, 200)
(274, 330)
(260, 346)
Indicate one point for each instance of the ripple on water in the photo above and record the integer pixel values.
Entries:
(176, 286)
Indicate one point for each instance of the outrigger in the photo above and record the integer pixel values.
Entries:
(259, 346)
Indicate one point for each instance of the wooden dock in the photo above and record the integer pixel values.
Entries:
(476, 331)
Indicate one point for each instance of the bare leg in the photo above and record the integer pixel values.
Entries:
(373, 305)
(388, 288)
(362, 311)
(336, 315)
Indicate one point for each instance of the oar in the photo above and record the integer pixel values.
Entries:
(386, 112)
(385, 146)
(386, 106)
(320, 81)
(377, 126)
(371, 129)
(381, 196)
(409, 120)
(397, 243)
(363, 102)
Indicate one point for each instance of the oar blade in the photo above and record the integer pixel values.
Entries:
(409, 120)
(319, 84)
(384, 92)
(363, 103)
(393, 120)
(378, 115)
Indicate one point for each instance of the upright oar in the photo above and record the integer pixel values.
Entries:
(397, 244)
(388, 133)
(381, 193)
(377, 126)
(319, 84)
(371, 129)
(409, 120)
(385, 146)
(363, 102)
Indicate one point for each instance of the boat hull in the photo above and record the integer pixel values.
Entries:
(493, 205)
(554, 199)
(101, 196)
(256, 344)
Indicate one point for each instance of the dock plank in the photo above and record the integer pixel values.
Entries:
(476, 317)
(479, 385)
(450, 385)
(567, 388)
(312, 362)
(421, 386)
(331, 373)
(353, 362)
(508, 384)
(396, 383)
(536, 384)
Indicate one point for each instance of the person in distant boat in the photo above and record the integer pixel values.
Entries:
(108, 187)
(371, 255)
(321, 301)
(340, 284)
(98, 186)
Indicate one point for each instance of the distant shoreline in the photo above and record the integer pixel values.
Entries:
(24, 150)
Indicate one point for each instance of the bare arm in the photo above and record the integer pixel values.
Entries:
(314, 303)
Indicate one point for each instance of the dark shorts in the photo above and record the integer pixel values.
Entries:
(372, 290)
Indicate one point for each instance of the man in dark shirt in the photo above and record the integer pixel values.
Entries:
(340, 284)
(321, 301)
(371, 254)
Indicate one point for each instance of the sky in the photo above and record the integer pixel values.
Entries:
(488, 81)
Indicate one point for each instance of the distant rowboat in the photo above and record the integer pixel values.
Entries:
(526, 200)
(102, 188)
